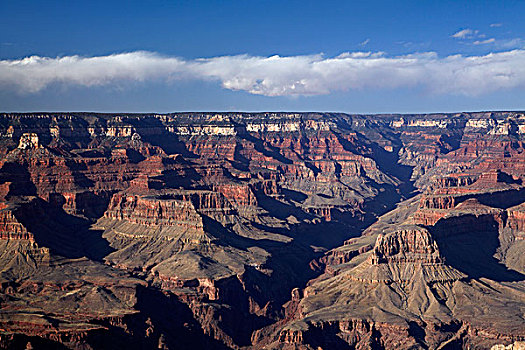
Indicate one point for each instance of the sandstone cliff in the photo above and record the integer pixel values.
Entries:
(214, 230)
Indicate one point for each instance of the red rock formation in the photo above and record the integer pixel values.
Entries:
(406, 245)
(153, 211)
(516, 218)
(237, 194)
(11, 228)
(225, 212)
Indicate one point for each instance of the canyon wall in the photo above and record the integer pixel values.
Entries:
(217, 230)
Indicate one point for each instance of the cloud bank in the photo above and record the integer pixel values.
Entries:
(277, 75)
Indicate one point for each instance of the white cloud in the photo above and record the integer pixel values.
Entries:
(33, 73)
(483, 42)
(465, 34)
(277, 75)
(364, 42)
(516, 43)
(474, 37)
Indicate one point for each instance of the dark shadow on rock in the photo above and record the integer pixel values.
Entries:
(387, 162)
(468, 243)
(240, 161)
(264, 148)
(295, 196)
(175, 320)
(169, 142)
(134, 156)
(280, 209)
(22, 342)
(502, 199)
(418, 333)
(289, 263)
(325, 338)
(21, 184)
(313, 168)
(162, 319)
(64, 234)
(386, 199)
(77, 171)
(88, 204)
(177, 178)
(451, 140)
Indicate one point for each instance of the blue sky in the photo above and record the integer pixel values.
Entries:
(411, 49)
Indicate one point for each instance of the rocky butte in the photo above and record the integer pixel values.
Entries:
(262, 231)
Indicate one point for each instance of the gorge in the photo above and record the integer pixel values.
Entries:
(262, 230)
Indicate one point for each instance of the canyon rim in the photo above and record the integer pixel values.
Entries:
(262, 230)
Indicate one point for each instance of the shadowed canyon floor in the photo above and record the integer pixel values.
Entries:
(262, 230)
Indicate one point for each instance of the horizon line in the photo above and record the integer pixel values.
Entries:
(266, 111)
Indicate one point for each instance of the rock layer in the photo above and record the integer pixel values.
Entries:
(214, 230)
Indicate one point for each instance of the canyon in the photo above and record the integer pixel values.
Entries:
(262, 231)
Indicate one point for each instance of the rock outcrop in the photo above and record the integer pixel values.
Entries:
(252, 230)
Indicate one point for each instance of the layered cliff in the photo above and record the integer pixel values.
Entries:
(195, 228)
(443, 270)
